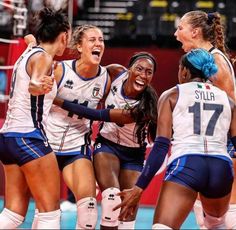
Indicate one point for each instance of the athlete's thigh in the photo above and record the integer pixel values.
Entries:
(79, 177)
(43, 178)
(107, 169)
(128, 178)
(174, 204)
(17, 193)
(215, 207)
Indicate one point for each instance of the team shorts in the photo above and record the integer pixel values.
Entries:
(64, 160)
(211, 176)
(21, 150)
(130, 158)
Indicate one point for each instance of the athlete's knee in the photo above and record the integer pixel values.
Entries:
(10, 219)
(212, 222)
(160, 226)
(49, 220)
(87, 213)
(230, 219)
(109, 201)
(199, 215)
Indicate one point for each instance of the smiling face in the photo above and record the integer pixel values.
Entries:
(92, 46)
(186, 34)
(140, 75)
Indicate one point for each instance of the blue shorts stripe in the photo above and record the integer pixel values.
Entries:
(20, 150)
(25, 147)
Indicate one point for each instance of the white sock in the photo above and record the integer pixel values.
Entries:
(230, 219)
(212, 222)
(49, 220)
(198, 211)
(160, 226)
(126, 225)
(35, 220)
(10, 219)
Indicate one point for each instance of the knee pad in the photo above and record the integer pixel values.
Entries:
(160, 226)
(230, 219)
(49, 220)
(109, 201)
(87, 213)
(10, 219)
(199, 215)
(212, 222)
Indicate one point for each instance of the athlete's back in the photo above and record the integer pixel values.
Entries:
(203, 112)
(26, 112)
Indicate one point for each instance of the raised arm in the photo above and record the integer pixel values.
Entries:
(39, 69)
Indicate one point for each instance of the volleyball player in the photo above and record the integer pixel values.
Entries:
(198, 29)
(120, 147)
(28, 160)
(85, 81)
(199, 162)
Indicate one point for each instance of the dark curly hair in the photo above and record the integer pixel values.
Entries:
(145, 113)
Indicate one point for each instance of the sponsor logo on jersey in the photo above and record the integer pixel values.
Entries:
(114, 90)
(69, 84)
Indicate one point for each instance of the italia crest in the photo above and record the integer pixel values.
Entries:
(95, 91)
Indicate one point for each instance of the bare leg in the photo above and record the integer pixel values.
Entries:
(127, 180)
(215, 207)
(43, 178)
(17, 193)
(79, 177)
(107, 169)
(174, 204)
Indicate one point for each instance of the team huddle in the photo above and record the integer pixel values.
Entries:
(49, 123)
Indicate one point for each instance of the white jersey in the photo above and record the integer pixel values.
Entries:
(201, 120)
(27, 114)
(68, 132)
(120, 134)
(217, 51)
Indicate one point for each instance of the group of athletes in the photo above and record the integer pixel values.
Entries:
(52, 106)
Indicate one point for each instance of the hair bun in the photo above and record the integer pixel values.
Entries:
(209, 69)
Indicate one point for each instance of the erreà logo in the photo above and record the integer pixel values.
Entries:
(96, 91)
(69, 84)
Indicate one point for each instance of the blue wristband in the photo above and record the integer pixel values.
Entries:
(83, 111)
(154, 161)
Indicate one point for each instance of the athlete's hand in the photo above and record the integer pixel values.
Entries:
(130, 199)
(47, 83)
(30, 40)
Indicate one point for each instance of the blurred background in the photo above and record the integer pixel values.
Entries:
(124, 22)
(129, 26)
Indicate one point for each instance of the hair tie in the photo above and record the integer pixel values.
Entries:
(210, 17)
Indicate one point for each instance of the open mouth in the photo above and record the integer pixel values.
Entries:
(139, 82)
(96, 53)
